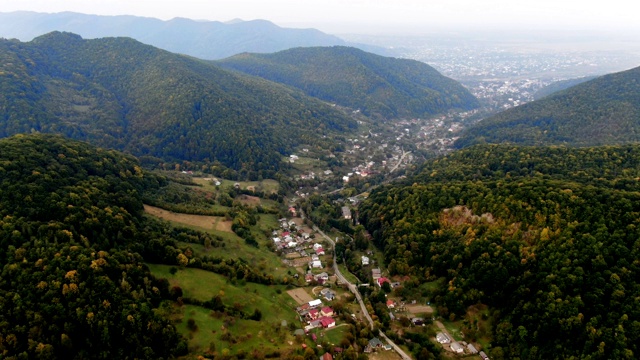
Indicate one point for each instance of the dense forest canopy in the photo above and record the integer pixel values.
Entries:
(119, 93)
(70, 286)
(603, 111)
(378, 86)
(547, 236)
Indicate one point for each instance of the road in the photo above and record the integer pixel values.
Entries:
(354, 289)
(399, 161)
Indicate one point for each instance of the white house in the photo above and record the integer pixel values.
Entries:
(365, 260)
(316, 264)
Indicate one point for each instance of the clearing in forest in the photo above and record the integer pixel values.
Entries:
(203, 221)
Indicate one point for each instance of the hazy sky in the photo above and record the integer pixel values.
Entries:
(368, 16)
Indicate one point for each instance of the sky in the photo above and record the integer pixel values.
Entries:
(369, 16)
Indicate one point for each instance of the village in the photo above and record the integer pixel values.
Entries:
(302, 250)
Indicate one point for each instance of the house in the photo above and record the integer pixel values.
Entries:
(317, 246)
(376, 274)
(308, 277)
(292, 210)
(320, 251)
(327, 322)
(313, 314)
(417, 321)
(316, 264)
(472, 349)
(375, 343)
(345, 178)
(457, 348)
(483, 355)
(322, 276)
(442, 338)
(315, 303)
(382, 280)
(326, 311)
(365, 260)
(328, 172)
(328, 294)
(346, 212)
(326, 356)
(391, 304)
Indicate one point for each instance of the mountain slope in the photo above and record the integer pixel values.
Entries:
(201, 39)
(71, 287)
(545, 236)
(602, 111)
(119, 93)
(379, 86)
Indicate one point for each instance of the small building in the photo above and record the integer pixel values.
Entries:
(417, 321)
(391, 304)
(316, 264)
(346, 212)
(365, 260)
(327, 322)
(320, 251)
(483, 355)
(442, 338)
(376, 274)
(326, 356)
(382, 280)
(326, 311)
(457, 348)
(313, 314)
(375, 343)
(317, 246)
(315, 303)
(472, 349)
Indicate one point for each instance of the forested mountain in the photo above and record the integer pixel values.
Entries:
(602, 111)
(546, 236)
(119, 93)
(72, 285)
(378, 86)
(201, 39)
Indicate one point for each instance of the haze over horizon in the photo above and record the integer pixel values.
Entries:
(404, 17)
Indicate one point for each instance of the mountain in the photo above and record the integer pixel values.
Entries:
(545, 237)
(378, 86)
(119, 93)
(201, 39)
(605, 110)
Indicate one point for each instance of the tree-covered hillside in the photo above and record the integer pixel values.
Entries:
(70, 285)
(119, 93)
(546, 236)
(602, 111)
(378, 86)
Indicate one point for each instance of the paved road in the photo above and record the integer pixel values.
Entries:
(399, 161)
(354, 289)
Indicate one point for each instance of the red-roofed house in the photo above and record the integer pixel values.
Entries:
(383, 280)
(319, 251)
(327, 322)
(326, 311)
(391, 304)
(326, 356)
(313, 314)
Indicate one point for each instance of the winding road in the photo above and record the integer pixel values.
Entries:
(354, 289)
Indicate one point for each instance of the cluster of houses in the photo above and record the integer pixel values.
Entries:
(289, 239)
(459, 347)
(316, 315)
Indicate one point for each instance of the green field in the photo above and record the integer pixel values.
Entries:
(203, 285)
(267, 186)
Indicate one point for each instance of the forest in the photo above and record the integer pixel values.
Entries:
(122, 94)
(74, 282)
(602, 111)
(380, 87)
(547, 237)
